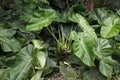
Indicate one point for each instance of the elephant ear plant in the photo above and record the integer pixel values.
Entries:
(31, 58)
(56, 39)
(88, 47)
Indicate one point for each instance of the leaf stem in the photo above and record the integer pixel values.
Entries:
(53, 35)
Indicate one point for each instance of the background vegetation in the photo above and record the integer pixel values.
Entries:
(59, 39)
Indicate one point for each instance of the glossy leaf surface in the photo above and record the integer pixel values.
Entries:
(111, 27)
(84, 24)
(84, 51)
(23, 65)
(8, 42)
(40, 19)
(106, 66)
(102, 48)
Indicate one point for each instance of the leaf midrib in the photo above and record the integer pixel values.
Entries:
(18, 77)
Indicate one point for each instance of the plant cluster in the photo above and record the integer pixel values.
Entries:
(39, 38)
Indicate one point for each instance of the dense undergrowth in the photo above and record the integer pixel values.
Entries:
(39, 38)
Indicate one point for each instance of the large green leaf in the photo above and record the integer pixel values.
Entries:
(39, 58)
(111, 27)
(40, 19)
(84, 24)
(102, 48)
(7, 33)
(84, 51)
(106, 66)
(99, 15)
(28, 59)
(9, 45)
(8, 42)
(23, 66)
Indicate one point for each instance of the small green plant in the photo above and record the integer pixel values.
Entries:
(63, 43)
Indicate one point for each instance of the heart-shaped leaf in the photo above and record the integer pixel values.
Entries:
(40, 19)
(28, 59)
(84, 51)
(99, 15)
(106, 66)
(102, 48)
(111, 27)
(23, 65)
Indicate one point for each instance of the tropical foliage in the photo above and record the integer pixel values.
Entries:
(39, 38)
